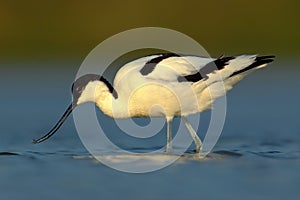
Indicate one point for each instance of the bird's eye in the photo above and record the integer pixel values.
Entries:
(76, 89)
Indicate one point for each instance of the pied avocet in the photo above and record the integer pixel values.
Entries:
(166, 80)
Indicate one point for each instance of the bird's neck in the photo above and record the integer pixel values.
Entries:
(108, 103)
(104, 101)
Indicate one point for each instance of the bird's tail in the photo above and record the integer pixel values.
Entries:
(230, 71)
(245, 63)
(234, 68)
(240, 66)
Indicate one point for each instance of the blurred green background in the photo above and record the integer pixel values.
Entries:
(37, 30)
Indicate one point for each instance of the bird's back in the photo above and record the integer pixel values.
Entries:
(208, 78)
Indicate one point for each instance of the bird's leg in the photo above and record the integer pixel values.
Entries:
(193, 133)
(169, 135)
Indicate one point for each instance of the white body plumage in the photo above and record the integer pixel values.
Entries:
(157, 93)
(163, 85)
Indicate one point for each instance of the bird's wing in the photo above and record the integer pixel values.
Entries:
(199, 69)
(132, 67)
(171, 66)
(174, 68)
(162, 67)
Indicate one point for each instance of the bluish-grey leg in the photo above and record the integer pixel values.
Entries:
(169, 135)
(194, 135)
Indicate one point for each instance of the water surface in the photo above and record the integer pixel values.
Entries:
(257, 156)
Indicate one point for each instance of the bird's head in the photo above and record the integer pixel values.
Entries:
(84, 89)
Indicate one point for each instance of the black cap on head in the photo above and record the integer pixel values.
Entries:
(79, 85)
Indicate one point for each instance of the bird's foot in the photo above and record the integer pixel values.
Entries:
(198, 149)
(169, 149)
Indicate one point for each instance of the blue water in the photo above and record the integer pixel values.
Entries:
(259, 145)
